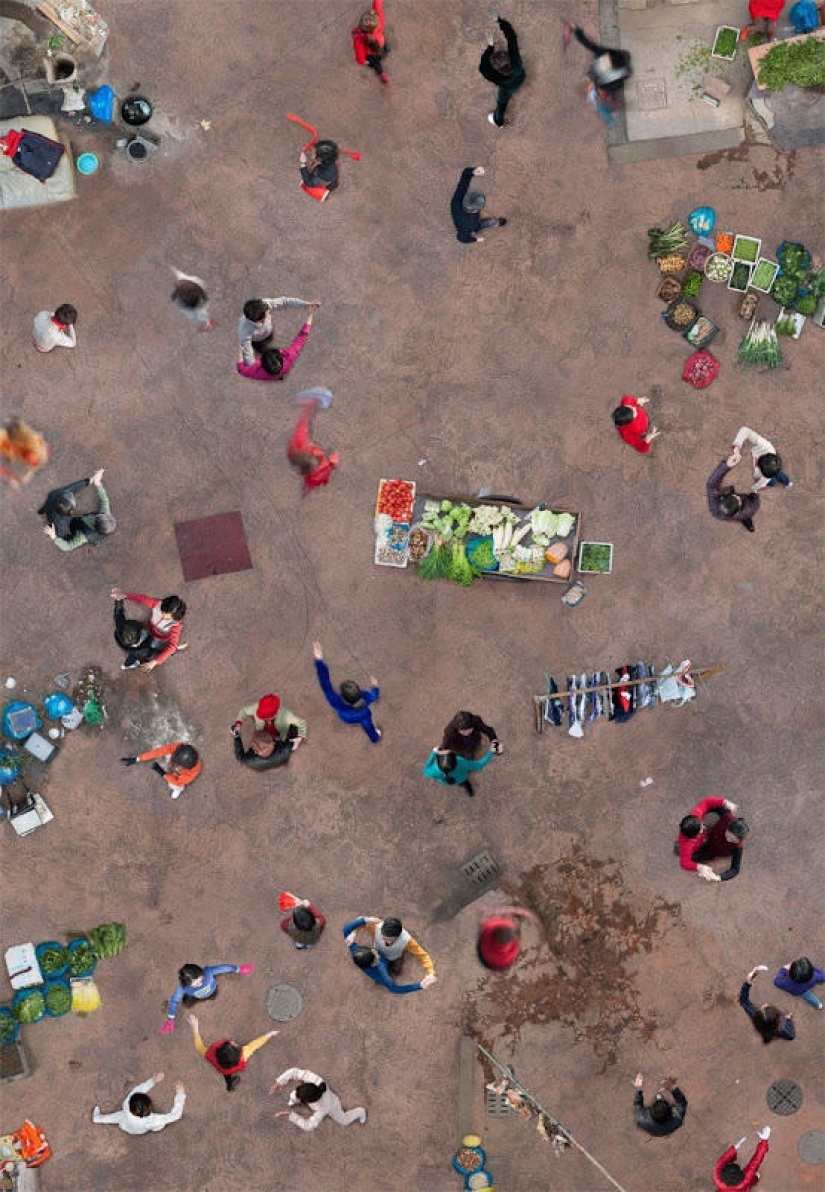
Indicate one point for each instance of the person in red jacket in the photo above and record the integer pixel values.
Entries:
(226, 1056)
(633, 424)
(698, 844)
(765, 14)
(306, 923)
(165, 626)
(499, 937)
(314, 465)
(728, 1176)
(368, 40)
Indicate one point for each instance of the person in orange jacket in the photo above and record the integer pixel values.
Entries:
(368, 40)
(184, 764)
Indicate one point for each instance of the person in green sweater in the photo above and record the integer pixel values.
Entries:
(452, 770)
(88, 528)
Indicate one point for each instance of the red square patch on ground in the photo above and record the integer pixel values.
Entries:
(212, 546)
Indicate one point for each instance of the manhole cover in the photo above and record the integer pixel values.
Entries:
(651, 95)
(784, 1097)
(480, 869)
(811, 1147)
(284, 1002)
(497, 1104)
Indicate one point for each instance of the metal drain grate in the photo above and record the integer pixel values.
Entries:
(496, 1104)
(811, 1147)
(784, 1097)
(481, 869)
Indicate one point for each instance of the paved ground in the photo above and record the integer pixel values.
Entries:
(498, 365)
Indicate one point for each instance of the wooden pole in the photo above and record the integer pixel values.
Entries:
(539, 701)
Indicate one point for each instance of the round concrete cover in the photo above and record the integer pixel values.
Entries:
(784, 1097)
(811, 1147)
(284, 1002)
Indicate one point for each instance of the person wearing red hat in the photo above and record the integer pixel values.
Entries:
(499, 937)
(270, 716)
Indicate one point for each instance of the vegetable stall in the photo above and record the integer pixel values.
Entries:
(465, 538)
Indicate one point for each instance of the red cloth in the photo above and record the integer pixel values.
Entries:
(765, 9)
(498, 956)
(633, 433)
(750, 1174)
(211, 1058)
(301, 443)
(715, 837)
(11, 141)
(359, 37)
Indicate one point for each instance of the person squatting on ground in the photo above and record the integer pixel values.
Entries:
(191, 299)
(352, 704)
(375, 966)
(764, 14)
(271, 716)
(55, 329)
(85, 529)
(452, 770)
(312, 1093)
(464, 732)
(319, 173)
(633, 424)
(306, 923)
(275, 363)
(728, 1176)
(165, 626)
(767, 465)
(504, 68)
(255, 324)
(184, 764)
(368, 42)
(727, 505)
(768, 1020)
(226, 1056)
(196, 984)
(137, 1114)
(698, 844)
(19, 444)
(660, 1117)
(392, 941)
(466, 206)
(798, 978)
(313, 464)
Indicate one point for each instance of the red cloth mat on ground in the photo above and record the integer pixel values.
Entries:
(212, 546)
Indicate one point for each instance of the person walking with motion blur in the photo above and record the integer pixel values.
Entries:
(191, 299)
(503, 67)
(498, 942)
(137, 1114)
(313, 464)
(19, 444)
(368, 42)
(312, 1093)
(352, 704)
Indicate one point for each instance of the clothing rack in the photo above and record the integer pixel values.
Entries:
(698, 674)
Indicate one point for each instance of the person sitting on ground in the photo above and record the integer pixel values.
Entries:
(226, 1056)
(60, 505)
(798, 978)
(698, 844)
(464, 732)
(87, 529)
(137, 1114)
(728, 1176)
(353, 704)
(19, 444)
(196, 984)
(184, 764)
(768, 1020)
(633, 424)
(727, 505)
(466, 206)
(306, 923)
(319, 173)
(255, 324)
(660, 1118)
(313, 1093)
(271, 716)
(376, 967)
(165, 626)
(55, 329)
(275, 363)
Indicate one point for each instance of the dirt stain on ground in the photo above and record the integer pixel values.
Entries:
(594, 929)
(773, 178)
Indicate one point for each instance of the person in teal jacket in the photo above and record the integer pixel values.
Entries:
(445, 766)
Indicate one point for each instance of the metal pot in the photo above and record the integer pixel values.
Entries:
(136, 110)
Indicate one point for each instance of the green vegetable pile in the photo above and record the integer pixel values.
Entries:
(8, 1027)
(692, 283)
(446, 519)
(801, 63)
(745, 248)
(806, 304)
(53, 960)
(725, 44)
(82, 958)
(29, 1008)
(783, 290)
(108, 939)
(760, 347)
(763, 275)
(662, 244)
(595, 556)
(436, 564)
(58, 999)
(482, 555)
(740, 277)
(785, 324)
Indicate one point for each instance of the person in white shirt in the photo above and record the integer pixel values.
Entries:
(313, 1093)
(255, 324)
(137, 1115)
(767, 465)
(55, 329)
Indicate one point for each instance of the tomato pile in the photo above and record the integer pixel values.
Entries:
(395, 497)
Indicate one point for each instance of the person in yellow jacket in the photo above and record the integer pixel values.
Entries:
(393, 942)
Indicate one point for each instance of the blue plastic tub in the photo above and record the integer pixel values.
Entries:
(87, 163)
(41, 948)
(22, 995)
(50, 985)
(73, 946)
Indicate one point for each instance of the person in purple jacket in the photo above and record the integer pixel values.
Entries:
(196, 984)
(352, 704)
(798, 978)
(275, 363)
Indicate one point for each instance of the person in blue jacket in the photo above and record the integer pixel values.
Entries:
(375, 966)
(198, 984)
(350, 702)
(453, 770)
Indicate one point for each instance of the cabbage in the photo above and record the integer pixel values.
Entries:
(565, 524)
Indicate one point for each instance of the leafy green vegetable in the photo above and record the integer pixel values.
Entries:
(564, 524)
(8, 1027)
(783, 290)
(460, 571)
(30, 1007)
(760, 346)
(435, 564)
(817, 283)
(763, 275)
(740, 277)
(58, 999)
(725, 44)
(795, 260)
(52, 960)
(745, 248)
(82, 957)
(595, 556)
(806, 304)
(481, 554)
(692, 283)
(800, 62)
(108, 939)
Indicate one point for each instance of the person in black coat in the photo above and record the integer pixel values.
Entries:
(504, 68)
(660, 1117)
(466, 207)
(264, 752)
(60, 505)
